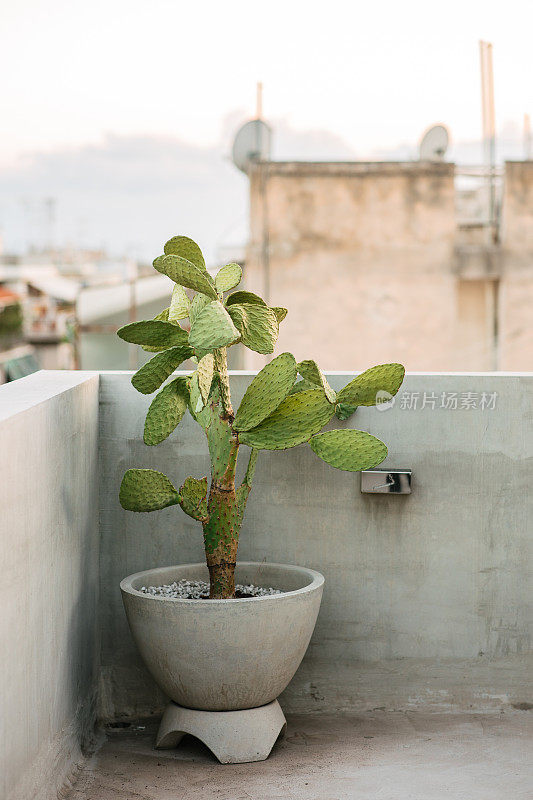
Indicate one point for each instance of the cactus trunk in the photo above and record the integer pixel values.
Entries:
(221, 539)
(222, 581)
(224, 517)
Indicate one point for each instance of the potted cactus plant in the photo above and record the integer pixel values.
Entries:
(287, 404)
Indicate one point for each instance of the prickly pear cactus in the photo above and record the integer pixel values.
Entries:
(265, 393)
(293, 422)
(150, 377)
(279, 410)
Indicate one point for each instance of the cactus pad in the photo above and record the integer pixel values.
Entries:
(363, 389)
(257, 325)
(212, 328)
(241, 297)
(344, 410)
(150, 376)
(280, 313)
(166, 411)
(266, 391)
(193, 498)
(163, 315)
(146, 490)
(228, 277)
(199, 412)
(205, 370)
(179, 304)
(198, 302)
(302, 386)
(311, 372)
(348, 449)
(293, 422)
(153, 333)
(186, 248)
(186, 274)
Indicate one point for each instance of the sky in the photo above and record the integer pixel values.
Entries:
(375, 73)
(124, 111)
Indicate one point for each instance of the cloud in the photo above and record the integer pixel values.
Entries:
(129, 194)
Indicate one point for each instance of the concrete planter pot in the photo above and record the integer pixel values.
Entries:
(223, 663)
(224, 655)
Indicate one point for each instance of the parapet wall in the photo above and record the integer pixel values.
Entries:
(49, 640)
(428, 597)
(427, 600)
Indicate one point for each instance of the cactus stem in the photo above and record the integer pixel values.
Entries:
(221, 366)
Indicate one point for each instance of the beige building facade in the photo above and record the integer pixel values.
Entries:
(375, 264)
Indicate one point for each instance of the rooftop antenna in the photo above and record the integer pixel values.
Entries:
(489, 125)
(434, 143)
(527, 137)
(253, 140)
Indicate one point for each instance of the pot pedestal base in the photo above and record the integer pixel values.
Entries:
(234, 737)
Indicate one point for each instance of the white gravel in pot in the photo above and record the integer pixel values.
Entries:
(195, 590)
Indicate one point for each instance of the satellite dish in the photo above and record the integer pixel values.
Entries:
(434, 143)
(252, 143)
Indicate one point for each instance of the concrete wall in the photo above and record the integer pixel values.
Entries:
(428, 597)
(49, 588)
(360, 254)
(370, 258)
(517, 284)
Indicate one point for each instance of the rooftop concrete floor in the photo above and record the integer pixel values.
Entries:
(375, 756)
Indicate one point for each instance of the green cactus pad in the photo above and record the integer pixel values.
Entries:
(205, 371)
(280, 313)
(153, 333)
(157, 370)
(257, 325)
(186, 274)
(186, 248)
(198, 302)
(302, 386)
(344, 411)
(146, 490)
(179, 304)
(199, 412)
(228, 277)
(241, 297)
(349, 450)
(166, 411)
(193, 498)
(212, 328)
(163, 316)
(266, 391)
(293, 422)
(311, 372)
(363, 389)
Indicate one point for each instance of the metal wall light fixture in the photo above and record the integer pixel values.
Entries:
(386, 481)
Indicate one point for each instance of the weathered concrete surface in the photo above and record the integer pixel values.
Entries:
(386, 232)
(49, 588)
(234, 737)
(370, 258)
(517, 284)
(390, 756)
(224, 655)
(427, 601)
